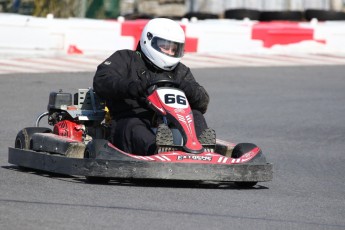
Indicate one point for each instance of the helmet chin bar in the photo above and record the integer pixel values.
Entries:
(169, 67)
(150, 59)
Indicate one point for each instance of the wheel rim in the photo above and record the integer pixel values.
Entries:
(18, 144)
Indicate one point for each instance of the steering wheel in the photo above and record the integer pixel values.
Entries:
(158, 81)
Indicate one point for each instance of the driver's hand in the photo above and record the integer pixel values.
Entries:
(163, 76)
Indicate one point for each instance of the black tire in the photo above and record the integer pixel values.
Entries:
(135, 16)
(89, 153)
(200, 15)
(324, 15)
(239, 150)
(249, 184)
(240, 14)
(23, 138)
(281, 15)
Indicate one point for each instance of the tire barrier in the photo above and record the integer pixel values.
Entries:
(241, 14)
(266, 16)
(324, 15)
(200, 16)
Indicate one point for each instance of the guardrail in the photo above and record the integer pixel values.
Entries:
(50, 36)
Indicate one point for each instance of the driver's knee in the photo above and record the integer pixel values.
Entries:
(199, 122)
(143, 141)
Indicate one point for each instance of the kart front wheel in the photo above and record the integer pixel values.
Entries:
(93, 179)
(239, 150)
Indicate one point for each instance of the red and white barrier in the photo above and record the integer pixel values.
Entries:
(49, 36)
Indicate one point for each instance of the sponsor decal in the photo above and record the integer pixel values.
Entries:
(222, 159)
(249, 155)
(246, 157)
(194, 157)
(180, 111)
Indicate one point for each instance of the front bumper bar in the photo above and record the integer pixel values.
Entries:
(136, 169)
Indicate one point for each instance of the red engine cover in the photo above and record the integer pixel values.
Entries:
(69, 129)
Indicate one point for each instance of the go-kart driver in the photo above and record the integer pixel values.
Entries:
(122, 80)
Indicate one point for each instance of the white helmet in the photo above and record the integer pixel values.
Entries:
(162, 42)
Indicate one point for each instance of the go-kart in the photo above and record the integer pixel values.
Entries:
(79, 144)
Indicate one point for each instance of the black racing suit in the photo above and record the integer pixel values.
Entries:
(131, 117)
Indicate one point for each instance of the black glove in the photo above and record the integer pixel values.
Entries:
(137, 88)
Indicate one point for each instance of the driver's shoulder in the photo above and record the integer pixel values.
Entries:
(181, 69)
(126, 53)
(182, 66)
(121, 55)
(127, 56)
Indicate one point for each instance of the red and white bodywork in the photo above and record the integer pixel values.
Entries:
(173, 104)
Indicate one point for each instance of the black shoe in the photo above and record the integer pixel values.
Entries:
(164, 139)
(208, 139)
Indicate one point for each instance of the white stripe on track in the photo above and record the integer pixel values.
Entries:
(61, 65)
(13, 67)
(252, 60)
(204, 61)
(209, 60)
(309, 59)
(95, 61)
(283, 60)
(65, 64)
(31, 64)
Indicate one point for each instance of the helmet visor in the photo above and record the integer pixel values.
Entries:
(170, 48)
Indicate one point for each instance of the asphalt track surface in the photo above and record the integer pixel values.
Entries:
(295, 114)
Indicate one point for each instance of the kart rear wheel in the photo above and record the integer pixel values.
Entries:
(94, 179)
(23, 138)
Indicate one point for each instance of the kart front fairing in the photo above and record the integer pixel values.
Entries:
(172, 103)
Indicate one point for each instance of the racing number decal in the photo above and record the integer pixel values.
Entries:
(172, 99)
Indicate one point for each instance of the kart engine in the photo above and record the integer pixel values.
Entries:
(69, 129)
(79, 119)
